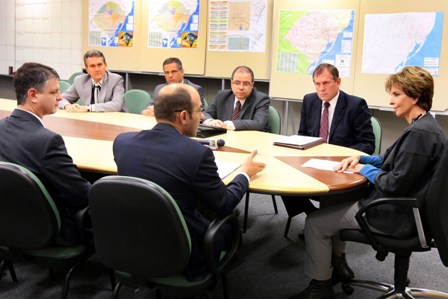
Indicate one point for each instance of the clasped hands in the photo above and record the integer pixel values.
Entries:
(217, 123)
(350, 164)
(75, 108)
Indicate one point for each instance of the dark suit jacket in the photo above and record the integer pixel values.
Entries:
(350, 127)
(186, 81)
(187, 170)
(111, 97)
(254, 113)
(24, 141)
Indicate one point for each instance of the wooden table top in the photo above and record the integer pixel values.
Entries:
(283, 173)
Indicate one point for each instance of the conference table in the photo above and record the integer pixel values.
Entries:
(89, 139)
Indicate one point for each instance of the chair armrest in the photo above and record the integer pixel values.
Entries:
(83, 225)
(401, 201)
(215, 264)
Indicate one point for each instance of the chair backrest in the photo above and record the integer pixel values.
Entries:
(136, 100)
(436, 206)
(377, 131)
(29, 218)
(64, 85)
(138, 227)
(274, 121)
(73, 76)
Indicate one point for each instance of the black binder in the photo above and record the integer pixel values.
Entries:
(205, 131)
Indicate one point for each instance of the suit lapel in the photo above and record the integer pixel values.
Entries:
(338, 112)
(246, 103)
(103, 90)
(316, 113)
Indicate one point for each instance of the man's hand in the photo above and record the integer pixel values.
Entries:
(75, 108)
(251, 167)
(217, 123)
(148, 111)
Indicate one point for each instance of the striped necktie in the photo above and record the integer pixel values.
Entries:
(324, 125)
(236, 110)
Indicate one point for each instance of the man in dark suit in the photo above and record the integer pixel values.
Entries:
(349, 125)
(349, 116)
(241, 108)
(174, 73)
(99, 89)
(25, 141)
(182, 166)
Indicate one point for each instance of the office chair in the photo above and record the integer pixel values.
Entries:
(377, 131)
(30, 223)
(432, 225)
(141, 234)
(275, 127)
(136, 100)
(64, 85)
(73, 76)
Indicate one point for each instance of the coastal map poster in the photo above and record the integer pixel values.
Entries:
(173, 23)
(307, 38)
(393, 41)
(111, 23)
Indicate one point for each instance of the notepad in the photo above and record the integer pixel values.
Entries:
(299, 141)
(226, 168)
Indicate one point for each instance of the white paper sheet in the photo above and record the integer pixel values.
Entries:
(226, 168)
(322, 164)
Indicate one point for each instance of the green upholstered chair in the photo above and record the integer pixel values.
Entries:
(136, 100)
(30, 223)
(377, 131)
(274, 126)
(64, 85)
(128, 210)
(431, 224)
(73, 76)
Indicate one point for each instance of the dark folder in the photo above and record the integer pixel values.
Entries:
(205, 131)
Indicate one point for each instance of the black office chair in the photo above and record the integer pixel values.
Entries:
(432, 228)
(29, 226)
(141, 234)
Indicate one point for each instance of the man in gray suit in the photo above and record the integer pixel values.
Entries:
(99, 89)
(241, 108)
(174, 73)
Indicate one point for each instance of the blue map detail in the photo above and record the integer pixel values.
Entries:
(334, 49)
(186, 27)
(113, 41)
(429, 49)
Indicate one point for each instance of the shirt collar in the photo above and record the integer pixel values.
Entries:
(37, 117)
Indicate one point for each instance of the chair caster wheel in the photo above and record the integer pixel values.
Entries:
(347, 289)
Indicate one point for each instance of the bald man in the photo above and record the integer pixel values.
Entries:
(182, 166)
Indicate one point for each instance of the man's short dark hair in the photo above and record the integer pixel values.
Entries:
(173, 60)
(329, 67)
(31, 75)
(168, 103)
(243, 69)
(93, 53)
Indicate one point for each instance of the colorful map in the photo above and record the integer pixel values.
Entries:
(393, 41)
(111, 23)
(173, 23)
(308, 38)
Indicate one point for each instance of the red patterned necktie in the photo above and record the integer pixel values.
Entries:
(236, 110)
(323, 133)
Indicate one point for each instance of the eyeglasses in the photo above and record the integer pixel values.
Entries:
(200, 110)
(244, 84)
